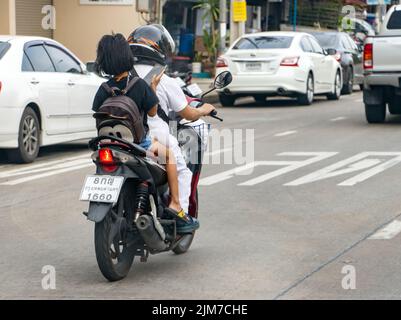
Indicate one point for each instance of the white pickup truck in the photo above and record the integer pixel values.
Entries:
(382, 69)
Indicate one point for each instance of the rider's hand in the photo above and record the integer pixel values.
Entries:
(207, 109)
(156, 80)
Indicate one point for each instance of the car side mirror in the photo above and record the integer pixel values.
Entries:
(331, 52)
(223, 80)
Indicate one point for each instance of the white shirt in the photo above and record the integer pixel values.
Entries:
(170, 94)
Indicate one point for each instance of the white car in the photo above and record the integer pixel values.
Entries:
(46, 96)
(289, 64)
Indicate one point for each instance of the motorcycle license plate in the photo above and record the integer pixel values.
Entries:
(104, 189)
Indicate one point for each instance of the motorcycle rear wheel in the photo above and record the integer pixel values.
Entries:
(113, 256)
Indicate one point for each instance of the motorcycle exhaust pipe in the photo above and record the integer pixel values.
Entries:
(149, 234)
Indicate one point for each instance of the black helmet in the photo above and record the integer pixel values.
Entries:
(152, 42)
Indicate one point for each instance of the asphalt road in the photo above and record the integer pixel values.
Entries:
(315, 218)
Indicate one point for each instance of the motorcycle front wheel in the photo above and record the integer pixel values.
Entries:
(113, 255)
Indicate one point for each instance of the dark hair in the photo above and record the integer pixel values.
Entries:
(114, 55)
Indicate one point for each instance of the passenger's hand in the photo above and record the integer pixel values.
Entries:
(156, 80)
(207, 109)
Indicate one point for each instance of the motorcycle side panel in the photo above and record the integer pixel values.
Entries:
(98, 211)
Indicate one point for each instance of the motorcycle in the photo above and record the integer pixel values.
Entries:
(128, 196)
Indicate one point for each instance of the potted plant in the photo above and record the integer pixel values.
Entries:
(197, 63)
(210, 35)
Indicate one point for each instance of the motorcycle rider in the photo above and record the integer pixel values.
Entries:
(152, 45)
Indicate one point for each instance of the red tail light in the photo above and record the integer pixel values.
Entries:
(368, 56)
(221, 63)
(1, 86)
(337, 56)
(290, 62)
(106, 159)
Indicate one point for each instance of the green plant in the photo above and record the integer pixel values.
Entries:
(211, 15)
(198, 57)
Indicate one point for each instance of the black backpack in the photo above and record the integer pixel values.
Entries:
(119, 115)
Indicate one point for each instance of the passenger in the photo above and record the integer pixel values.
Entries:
(114, 58)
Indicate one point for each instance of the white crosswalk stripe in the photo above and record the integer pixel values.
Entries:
(11, 175)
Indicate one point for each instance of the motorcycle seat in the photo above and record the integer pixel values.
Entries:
(157, 171)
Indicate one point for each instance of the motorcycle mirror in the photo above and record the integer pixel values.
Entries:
(223, 80)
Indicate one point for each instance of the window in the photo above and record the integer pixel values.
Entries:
(316, 47)
(345, 44)
(4, 46)
(395, 21)
(326, 40)
(62, 61)
(39, 58)
(26, 64)
(264, 43)
(352, 44)
(306, 45)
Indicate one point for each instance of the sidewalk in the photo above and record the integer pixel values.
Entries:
(205, 85)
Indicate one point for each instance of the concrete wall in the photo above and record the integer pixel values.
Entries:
(4, 17)
(80, 27)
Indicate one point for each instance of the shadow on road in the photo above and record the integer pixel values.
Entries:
(275, 102)
(53, 151)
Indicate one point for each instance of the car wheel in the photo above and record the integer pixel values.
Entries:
(28, 139)
(260, 98)
(394, 106)
(227, 100)
(348, 87)
(361, 86)
(306, 99)
(375, 113)
(337, 88)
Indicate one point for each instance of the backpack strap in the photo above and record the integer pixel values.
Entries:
(130, 85)
(108, 89)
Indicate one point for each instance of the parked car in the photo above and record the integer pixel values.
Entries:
(382, 66)
(361, 29)
(289, 64)
(46, 95)
(348, 54)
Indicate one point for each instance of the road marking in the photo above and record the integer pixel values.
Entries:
(338, 119)
(25, 168)
(290, 166)
(62, 165)
(388, 232)
(249, 168)
(284, 134)
(45, 175)
(209, 154)
(353, 164)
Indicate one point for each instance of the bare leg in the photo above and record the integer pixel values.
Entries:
(167, 157)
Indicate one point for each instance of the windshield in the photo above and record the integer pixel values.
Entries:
(326, 40)
(264, 42)
(4, 46)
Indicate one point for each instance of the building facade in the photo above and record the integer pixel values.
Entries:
(78, 24)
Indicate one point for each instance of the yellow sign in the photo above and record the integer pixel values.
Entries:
(239, 11)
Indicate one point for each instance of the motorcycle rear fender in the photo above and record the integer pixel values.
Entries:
(98, 211)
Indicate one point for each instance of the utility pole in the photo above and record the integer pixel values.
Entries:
(237, 19)
(223, 25)
(295, 15)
